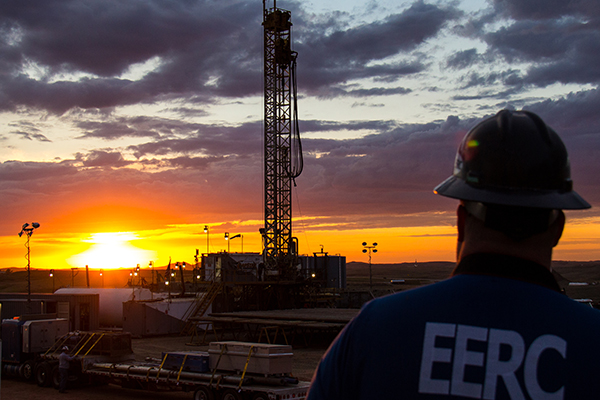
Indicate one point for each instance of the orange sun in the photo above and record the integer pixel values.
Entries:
(112, 250)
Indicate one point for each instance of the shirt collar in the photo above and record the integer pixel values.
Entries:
(506, 267)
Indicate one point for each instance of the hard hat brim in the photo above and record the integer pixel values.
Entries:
(457, 188)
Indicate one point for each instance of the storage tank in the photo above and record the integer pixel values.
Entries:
(111, 301)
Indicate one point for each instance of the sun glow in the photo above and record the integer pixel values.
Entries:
(112, 250)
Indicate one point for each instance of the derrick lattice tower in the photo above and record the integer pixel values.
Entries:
(282, 146)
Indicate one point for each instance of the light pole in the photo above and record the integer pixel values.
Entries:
(151, 266)
(168, 278)
(227, 239)
(52, 276)
(74, 272)
(28, 231)
(236, 236)
(138, 274)
(207, 233)
(370, 248)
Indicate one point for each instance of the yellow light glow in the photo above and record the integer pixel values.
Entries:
(111, 250)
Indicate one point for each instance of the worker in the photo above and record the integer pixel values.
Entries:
(499, 327)
(64, 360)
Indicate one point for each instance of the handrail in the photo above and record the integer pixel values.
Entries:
(79, 348)
(94, 345)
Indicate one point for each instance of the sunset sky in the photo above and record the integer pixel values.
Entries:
(127, 126)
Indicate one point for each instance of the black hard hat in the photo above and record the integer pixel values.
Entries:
(513, 159)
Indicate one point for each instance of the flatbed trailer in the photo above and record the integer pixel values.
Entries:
(205, 386)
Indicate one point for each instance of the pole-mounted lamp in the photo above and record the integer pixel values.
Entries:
(207, 235)
(233, 237)
(369, 249)
(28, 231)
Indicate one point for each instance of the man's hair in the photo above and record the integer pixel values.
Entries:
(518, 223)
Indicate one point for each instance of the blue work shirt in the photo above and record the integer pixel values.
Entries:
(498, 329)
(63, 360)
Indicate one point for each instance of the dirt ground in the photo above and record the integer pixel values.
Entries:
(304, 364)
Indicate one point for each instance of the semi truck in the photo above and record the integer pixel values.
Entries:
(229, 370)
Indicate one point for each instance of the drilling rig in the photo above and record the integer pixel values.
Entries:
(278, 278)
(283, 161)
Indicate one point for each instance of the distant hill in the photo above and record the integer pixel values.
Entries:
(579, 279)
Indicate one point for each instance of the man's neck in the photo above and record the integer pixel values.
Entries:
(537, 254)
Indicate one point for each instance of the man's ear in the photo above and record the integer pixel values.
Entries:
(461, 214)
(557, 227)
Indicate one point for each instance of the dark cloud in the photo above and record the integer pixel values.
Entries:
(547, 9)
(462, 59)
(391, 172)
(218, 140)
(102, 158)
(309, 126)
(105, 37)
(337, 55)
(59, 97)
(512, 80)
(136, 127)
(560, 40)
(377, 92)
(28, 171)
(572, 115)
(200, 50)
(193, 42)
(27, 130)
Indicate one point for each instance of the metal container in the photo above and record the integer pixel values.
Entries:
(189, 361)
(40, 335)
(265, 359)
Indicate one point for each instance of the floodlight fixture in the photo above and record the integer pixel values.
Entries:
(227, 238)
(239, 235)
(27, 229)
